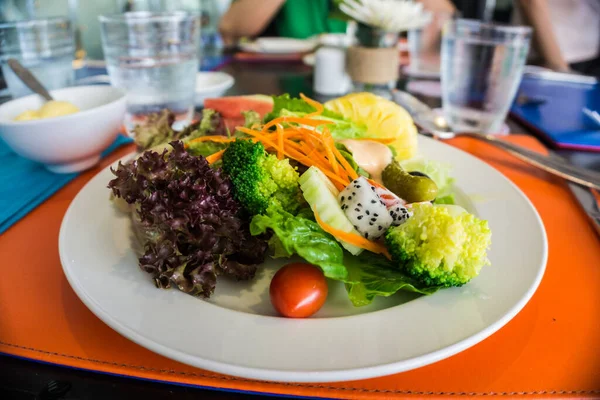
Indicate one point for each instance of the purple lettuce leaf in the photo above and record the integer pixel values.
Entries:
(193, 226)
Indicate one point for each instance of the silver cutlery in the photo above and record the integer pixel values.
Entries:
(589, 203)
(435, 126)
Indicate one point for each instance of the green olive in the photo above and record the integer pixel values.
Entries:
(412, 188)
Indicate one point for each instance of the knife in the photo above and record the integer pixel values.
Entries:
(589, 201)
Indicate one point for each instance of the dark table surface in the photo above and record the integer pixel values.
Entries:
(24, 379)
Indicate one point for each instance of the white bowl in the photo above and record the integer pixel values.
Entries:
(211, 84)
(70, 143)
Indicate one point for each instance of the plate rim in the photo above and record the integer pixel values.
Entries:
(317, 376)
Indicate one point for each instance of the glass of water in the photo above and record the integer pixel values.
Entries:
(482, 65)
(154, 58)
(45, 46)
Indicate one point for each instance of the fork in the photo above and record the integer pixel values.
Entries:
(552, 164)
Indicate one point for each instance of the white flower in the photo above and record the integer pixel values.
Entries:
(388, 15)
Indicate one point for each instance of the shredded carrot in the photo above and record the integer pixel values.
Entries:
(318, 106)
(372, 182)
(213, 138)
(378, 140)
(298, 120)
(331, 157)
(345, 164)
(279, 141)
(353, 239)
(213, 158)
(259, 135)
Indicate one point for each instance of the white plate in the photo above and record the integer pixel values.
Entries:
(235, 332)
(212, 84)
(277, 45)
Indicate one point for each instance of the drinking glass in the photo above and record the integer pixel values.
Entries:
(154, 58)
(45, 46)
(482, 65)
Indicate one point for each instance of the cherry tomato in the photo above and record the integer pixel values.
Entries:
(298, 290)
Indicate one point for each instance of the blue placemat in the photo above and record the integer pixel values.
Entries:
(557, 112)
(25, 184)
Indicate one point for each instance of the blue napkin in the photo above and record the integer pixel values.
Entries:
(25, 184)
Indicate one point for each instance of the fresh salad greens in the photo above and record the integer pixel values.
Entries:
(210, 202)
(191, 222)
(341, 128)
(261, 179)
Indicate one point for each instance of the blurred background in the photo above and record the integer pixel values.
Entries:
(84, 16)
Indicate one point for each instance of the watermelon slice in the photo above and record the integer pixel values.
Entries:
(231, 107)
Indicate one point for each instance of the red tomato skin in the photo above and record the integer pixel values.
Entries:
(298, 290)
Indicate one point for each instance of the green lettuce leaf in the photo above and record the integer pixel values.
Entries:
(371, 275)
(303, 236)
(205, 149)
(348, 156)
(342, 128)
(366, 276)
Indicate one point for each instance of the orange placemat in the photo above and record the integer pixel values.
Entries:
(550, 349)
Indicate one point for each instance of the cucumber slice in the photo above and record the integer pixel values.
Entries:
(321, 195)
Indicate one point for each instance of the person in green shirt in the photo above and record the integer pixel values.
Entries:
(286, 18)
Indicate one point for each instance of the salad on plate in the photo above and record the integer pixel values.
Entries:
(338, 188)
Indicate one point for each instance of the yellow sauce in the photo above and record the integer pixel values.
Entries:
(51, 109)
(371, 156)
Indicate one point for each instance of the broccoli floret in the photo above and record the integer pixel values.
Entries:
(440, 245)
(260, 179)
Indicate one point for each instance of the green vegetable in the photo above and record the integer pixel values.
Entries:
(303, 236)
(342, 128)
(205, 149)
(157, 132)
(260, 179)
(412, 189)
(348, 156)
(365, 276)
(321, 195)
(251, 118)
(440, 245)
(439, 172)
(372, 275)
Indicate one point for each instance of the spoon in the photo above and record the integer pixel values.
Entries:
(28, 79)
(436, 126)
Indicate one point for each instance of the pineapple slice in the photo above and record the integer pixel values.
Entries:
(383, 119)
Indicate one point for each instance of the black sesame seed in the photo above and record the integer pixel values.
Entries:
(357, 209)
(373, 219)
(359, 217)
(380, 227)
(349, 198)
(355, 227)
(373, 201)
(353, 193)
(375, 214)
(373, 188)
(367, 212)
(357, 186)
(366, 235)
(343, 198)
(370, 223)
(360, 205)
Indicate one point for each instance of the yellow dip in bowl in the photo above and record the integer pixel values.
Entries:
(51, 109)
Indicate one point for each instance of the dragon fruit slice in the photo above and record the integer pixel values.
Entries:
(399, 214)
(365, 209)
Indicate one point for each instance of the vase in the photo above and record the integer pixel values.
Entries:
(374, 62)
